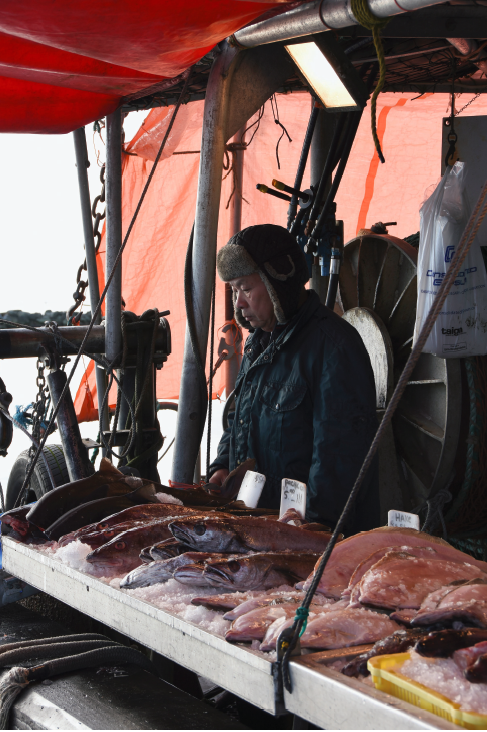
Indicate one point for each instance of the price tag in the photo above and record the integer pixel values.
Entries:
(251, 488)
(293, 495)
(403, 519)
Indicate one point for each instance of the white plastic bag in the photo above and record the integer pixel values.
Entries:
(461, 327)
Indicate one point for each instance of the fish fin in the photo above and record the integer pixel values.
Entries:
(146, 493)
(107, 468)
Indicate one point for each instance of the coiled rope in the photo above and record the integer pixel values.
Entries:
(367, 19)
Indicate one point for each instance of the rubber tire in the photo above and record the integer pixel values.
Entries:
(40, 482)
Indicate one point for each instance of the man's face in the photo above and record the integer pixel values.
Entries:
(254, 301)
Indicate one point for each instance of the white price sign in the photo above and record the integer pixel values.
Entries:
(403, 519)
(293, 495)
(251, 488)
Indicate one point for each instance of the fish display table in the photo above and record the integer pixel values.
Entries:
(320, 695)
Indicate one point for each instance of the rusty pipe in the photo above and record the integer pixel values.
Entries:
(467, 46)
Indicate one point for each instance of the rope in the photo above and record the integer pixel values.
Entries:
(368, 20)
(107, 285)
(474, 222)
(435, 510)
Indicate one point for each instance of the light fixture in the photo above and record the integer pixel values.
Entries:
(329, 72)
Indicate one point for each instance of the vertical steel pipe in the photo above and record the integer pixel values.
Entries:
(75, 453)
(320, 146)
(82, 164)
(232, 365)
(192, 408)
(113, 308)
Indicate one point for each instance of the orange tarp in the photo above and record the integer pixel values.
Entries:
(153, 262)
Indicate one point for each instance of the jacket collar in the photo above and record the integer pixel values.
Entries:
(305, 312)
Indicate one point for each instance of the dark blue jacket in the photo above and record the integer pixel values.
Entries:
(306, 409)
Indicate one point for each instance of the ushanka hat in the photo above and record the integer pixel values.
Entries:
(274, 254)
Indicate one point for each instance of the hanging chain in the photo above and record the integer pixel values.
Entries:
(467, 104)
(73, 317)
(38, 416)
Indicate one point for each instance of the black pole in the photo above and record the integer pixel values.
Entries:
(293, 205)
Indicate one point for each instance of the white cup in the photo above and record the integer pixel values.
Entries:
(251, 488)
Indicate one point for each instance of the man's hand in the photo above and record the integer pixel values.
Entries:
(217, 479)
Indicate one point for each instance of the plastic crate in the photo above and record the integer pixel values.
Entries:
(385, 671)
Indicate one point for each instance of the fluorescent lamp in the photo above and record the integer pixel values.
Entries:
(329, 73)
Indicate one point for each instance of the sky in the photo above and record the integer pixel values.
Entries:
(42, 247)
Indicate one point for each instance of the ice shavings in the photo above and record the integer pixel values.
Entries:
(166, 498)
(173, 597)
(74, 555)
(444, 676)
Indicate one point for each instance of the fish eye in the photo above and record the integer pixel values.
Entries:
(199, 529)
(109, 533)
(102, 526)
(120, 545)
(233, 565)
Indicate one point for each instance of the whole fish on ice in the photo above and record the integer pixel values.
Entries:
(161, 570)
(247, 534)
(339, 628)
(466, 603)
(443, 643)
(350, 552)
(253, 571)
(400, 580)
(122, 552)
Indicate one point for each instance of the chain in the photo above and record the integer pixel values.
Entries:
(73, 317)
(467, 104)
(39, 410)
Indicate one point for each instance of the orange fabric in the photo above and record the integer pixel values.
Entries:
(64, 64)
(153, 262)
(374, 164)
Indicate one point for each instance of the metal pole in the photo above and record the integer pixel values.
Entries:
(318, 16)
(113, 309)
(320, 144)
(82, 164)
(191, 406)
(232, 366)
(75, 453)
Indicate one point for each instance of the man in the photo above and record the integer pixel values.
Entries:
(305, 393)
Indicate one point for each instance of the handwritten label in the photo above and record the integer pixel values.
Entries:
(251, 488)
(293, 495)
(403, 519)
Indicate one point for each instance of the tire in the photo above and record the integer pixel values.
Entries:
(40, 482)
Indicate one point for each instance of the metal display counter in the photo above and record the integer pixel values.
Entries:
(320, 695)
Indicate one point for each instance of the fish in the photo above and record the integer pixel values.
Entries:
(247, 534)
(253, 625)
(401, 581)
(353, 589)
(98, 538)
(477, 673)
(131, 513)
(88, 514)
(16, 520)
(350, 552)
(122, 552)
(105, 483)
(145, 556)
(167, 549)
(466, 657)
(226, 601)
(399, 642)
(346, 627)
(254, 571)
(444, 643)
(263, 601)
(161, 570)
(466, 603)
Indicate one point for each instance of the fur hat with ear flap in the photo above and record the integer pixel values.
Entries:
(274, 254)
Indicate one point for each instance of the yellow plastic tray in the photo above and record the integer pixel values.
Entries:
(386, 675)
